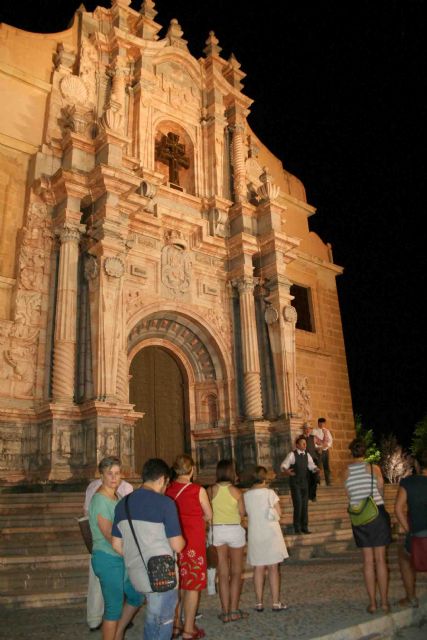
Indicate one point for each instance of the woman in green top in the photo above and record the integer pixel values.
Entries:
(108, 565)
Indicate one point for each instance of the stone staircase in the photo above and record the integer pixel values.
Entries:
(43, 560)
(329, 523)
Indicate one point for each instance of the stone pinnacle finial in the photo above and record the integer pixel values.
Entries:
(233, 62)
(148, 9)
(175, 33)
(212, 48)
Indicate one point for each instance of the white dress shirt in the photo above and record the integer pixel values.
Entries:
(290, 460)
(322, 438)
(122, 491)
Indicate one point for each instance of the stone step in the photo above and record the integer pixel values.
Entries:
(41, 498)
(44, 560)
(40, 599)
(22, 575)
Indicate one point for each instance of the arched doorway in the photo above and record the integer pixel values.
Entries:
(159, 388)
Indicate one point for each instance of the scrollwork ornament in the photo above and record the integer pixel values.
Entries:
(290, 313)
(271, 315)
(91, 268)
(114, 267)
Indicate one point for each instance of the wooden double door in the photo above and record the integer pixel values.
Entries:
(159, 389)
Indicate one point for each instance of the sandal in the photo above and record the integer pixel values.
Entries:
(259, 607)
(197, 633)
(238, 614)
(371, 608)
(279, 606)
(385, 607)
(409, 602)
(177, 632)
(224, 617)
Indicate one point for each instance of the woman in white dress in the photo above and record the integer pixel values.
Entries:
(266, 546)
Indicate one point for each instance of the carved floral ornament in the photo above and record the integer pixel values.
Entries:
(114, 267)
(74, 90)
(290, 313)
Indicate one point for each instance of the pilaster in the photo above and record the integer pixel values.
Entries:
(251, 367)
(65, 336)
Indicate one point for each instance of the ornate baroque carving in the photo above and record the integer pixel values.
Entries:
(303, 397)
(290, 313)
(18, 339)
(74, 90)
(271, 315)
(114, 267)
(176, 263)
(91, 268)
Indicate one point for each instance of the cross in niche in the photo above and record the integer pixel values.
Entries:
(172, 152)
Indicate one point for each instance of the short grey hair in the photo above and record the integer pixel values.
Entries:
(107, 463)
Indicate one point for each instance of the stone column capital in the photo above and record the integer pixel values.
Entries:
(70, 233)
(246, 284)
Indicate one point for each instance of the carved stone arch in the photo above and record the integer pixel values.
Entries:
(174, 154)
(199, 355)
(174, 331)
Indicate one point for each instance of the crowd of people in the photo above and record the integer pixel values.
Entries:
(170, 514)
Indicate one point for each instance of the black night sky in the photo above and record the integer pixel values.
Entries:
(338, 90)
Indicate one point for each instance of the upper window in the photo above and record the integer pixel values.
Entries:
(303, 306)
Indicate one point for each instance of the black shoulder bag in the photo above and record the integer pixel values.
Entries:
(160, 569)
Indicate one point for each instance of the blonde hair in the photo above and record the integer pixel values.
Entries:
(183, 465)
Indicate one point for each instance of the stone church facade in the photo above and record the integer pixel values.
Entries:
(160, 289)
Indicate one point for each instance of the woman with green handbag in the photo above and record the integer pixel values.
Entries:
(370, 522)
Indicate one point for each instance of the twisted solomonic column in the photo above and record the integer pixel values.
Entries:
(251, 367)
(239, 170)
(64, 350)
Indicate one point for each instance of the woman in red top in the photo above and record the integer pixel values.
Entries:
(194, 510)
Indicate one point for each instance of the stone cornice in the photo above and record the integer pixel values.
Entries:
(19, 145)
(242, 243)
(306, 257)
(305, 208)
(23, 76)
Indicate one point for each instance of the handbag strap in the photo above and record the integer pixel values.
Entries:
(133, 530)
(181, 490)
(372, 481)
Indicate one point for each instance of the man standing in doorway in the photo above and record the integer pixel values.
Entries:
(296, 465)
(323, 441)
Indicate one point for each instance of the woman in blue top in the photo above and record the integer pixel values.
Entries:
(108, 565)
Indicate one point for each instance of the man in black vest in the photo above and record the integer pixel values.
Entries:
(313, 478)
(296, 465)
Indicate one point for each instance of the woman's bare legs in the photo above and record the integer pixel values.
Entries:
(190, 603)
(223, 572)
(259, 575)
(236, 569)
(274, 580)
(109, 628)
(369, 575)
(127, 615)
(408, 575)
(382, 576)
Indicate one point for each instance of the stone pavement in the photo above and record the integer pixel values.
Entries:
(326, 599)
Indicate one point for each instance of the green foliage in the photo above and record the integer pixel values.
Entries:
(419, 439)
(373, 454)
